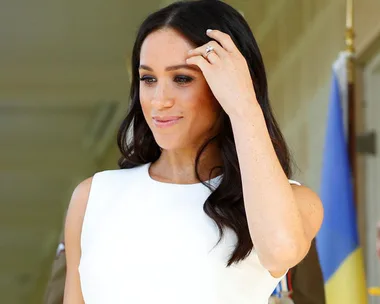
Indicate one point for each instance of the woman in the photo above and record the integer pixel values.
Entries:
(202, 210)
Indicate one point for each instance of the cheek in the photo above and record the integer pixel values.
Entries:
(142, 95)
(146, 111)
(206, 107)
(145, 101)
(205, 114)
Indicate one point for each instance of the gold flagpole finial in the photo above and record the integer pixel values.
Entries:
(350, 26)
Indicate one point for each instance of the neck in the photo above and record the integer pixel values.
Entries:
(178, 166)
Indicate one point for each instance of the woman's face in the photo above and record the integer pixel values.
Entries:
(176, 100)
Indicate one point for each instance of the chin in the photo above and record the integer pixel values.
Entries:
(167, 142)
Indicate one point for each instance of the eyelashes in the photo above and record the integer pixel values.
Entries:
(183, 79)
(180, 79)
(147, 79)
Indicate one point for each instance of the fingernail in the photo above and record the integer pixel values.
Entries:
(190, 51)
(208, 31)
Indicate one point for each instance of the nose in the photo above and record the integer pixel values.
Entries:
(162, 97)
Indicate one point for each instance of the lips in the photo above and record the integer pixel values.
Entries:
(165, 121)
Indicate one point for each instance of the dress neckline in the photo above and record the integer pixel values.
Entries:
(213, 182)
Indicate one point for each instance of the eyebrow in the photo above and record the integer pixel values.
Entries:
(171, 68)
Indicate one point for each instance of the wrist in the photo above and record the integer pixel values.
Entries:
(247, 113)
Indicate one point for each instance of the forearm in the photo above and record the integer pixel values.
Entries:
(274, 220)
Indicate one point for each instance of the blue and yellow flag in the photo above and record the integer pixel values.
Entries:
(337, 241)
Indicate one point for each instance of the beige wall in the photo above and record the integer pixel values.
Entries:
(111, 158)
(309, 37)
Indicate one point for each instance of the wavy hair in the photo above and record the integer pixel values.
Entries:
(225, 205)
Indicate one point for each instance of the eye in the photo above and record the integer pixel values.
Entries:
(183, 79)
(148, 79)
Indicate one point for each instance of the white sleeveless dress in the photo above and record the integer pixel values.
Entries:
(146, 242)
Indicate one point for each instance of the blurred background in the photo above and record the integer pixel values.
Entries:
(64, 89)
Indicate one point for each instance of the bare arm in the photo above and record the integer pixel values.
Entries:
(282, 219)
(73, 230)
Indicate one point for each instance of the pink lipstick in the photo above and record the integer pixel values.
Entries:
(165, 121)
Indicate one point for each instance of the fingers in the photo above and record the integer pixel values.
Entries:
(200, 62)
(224, 40)
(220, 48)
(202, 50)
(212, 57)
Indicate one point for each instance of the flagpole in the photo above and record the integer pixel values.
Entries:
(350, 48)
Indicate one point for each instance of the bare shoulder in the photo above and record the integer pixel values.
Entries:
(304, 193)
(77, 206)
(307, 199)
(311, 208)
(73, 231)
(80, 195)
